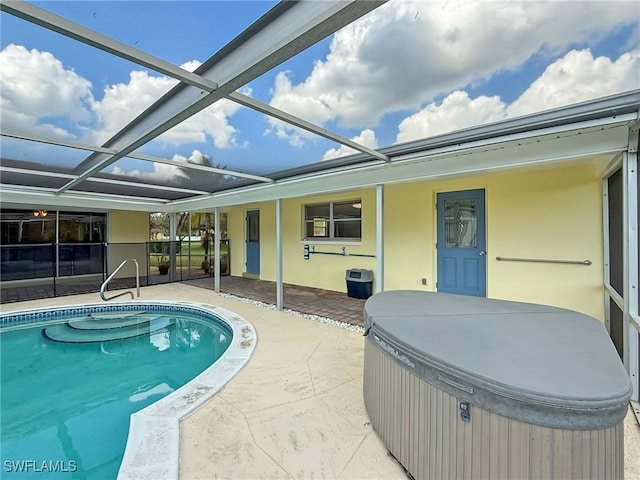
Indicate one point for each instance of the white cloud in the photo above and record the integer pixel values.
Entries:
(123, 102)
(574, 78)
(39, 95)
(163, 172)
(196, 157)
(35, 87)
(406, 53)
(399, 58)
(308, 107)
(579, 77)
(456, 111)
(212, 122)
(366, 138)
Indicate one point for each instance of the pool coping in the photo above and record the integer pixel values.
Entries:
(153, 444)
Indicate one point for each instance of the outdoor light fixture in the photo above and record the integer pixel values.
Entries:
(40, 213)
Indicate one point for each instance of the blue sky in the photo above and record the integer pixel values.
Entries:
(405, 71)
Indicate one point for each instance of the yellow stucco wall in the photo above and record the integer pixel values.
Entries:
(236, 225)
(546, 214)
(127, 233)
(550, 214)
(321, 271)
(126, 226)
(235, 233)
(409, 220)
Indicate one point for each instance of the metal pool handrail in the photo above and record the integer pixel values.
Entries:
(106, 282)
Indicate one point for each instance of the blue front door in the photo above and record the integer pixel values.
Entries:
(253, 242)
(462, 259)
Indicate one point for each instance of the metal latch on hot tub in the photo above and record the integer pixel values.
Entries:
(465, 411)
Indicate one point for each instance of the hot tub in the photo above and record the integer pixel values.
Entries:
(468, 387)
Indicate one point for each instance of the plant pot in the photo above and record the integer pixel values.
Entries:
(207, 266)
(163, 269)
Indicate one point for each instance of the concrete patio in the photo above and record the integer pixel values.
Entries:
(296, 410)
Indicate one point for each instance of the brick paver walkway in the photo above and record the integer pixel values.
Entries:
(314, 301)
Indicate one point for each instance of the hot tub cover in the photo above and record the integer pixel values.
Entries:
(544, 365)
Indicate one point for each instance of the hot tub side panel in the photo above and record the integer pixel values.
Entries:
(421, 426)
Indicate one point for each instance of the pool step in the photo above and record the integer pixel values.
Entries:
(107, 322)
(67, 333)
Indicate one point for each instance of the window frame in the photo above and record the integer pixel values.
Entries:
(330, 222)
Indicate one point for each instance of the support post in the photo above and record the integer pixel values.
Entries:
(379, 238)
(216, 250)
(631, 351)
(173, 228)
(279, 280)
(606, 253)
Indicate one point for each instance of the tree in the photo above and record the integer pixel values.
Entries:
(202, 221)
(158, 225)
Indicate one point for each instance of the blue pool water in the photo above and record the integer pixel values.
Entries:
(66, 406)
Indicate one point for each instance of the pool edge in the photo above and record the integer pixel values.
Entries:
(153, 442)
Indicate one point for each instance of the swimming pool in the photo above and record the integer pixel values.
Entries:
(183, 339)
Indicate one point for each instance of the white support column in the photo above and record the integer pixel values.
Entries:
(190, 235)
(173, 229)
(216, 250)
(630, 259)
(279, 280)
(606, 253)
(57, 246)
(379, 238)
(104, 244)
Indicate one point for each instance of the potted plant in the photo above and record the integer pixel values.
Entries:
(206, 266)
(163, 266)
(160, 250)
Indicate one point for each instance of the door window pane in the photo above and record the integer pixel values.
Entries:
(254, 228)
(461, 223)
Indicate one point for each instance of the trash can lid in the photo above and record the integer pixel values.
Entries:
(359, 275)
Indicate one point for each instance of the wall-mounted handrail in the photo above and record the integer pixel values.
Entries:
(106, 282)
(342, 253)
(544, 260)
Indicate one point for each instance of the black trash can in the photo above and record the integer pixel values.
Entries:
(359, 283)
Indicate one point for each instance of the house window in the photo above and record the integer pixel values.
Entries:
(333, 220)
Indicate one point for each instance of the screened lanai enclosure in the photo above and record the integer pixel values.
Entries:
(67, 186)
(79, 185)
(113, 171)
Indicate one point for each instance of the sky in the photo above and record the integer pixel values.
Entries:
(407, 70)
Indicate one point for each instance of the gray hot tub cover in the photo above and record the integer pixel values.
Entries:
(540, 364)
